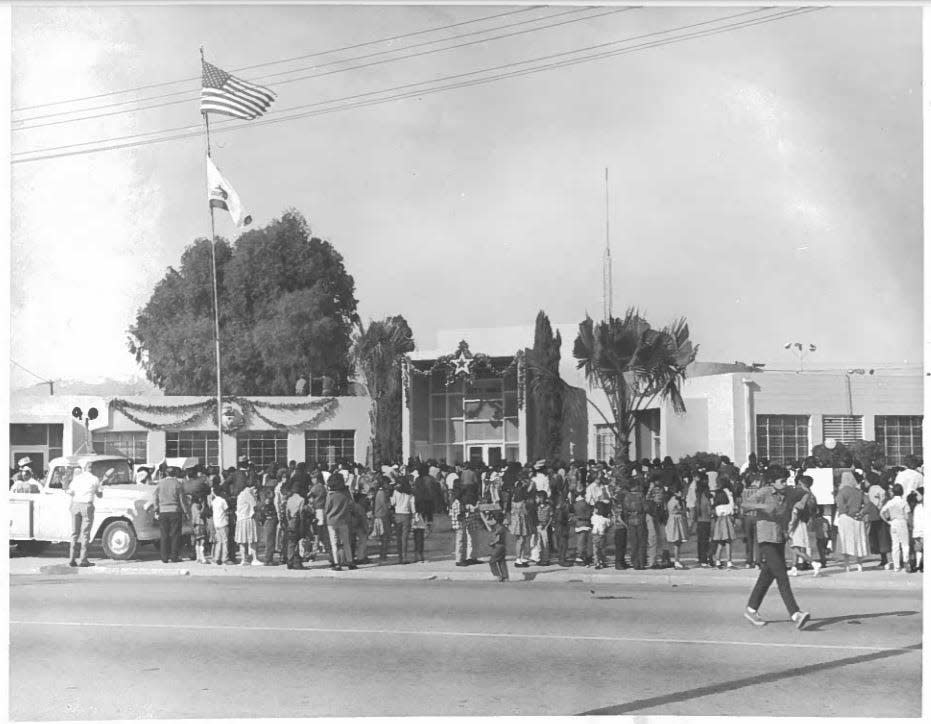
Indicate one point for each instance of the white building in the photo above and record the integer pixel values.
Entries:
(150, 428)
(731, 409)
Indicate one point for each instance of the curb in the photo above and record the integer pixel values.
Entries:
(742, 579)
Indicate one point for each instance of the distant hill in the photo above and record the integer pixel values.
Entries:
(103, 388)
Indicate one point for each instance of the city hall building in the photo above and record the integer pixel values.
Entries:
(467, 400)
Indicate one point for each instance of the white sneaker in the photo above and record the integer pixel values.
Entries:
(753, 617)
(730, 564)
(243, 563)
(793, 571)
(817, 566)
(800, 618)
(859, 568)
(888, 566)
(257, 562)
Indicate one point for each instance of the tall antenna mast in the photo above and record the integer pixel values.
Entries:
(607, 278)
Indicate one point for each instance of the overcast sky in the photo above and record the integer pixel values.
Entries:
(765, 182)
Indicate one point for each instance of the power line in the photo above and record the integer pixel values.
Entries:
(195, 130)
(40, 377)
(285, 60)
(194, 94)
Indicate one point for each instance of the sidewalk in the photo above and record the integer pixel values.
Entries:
(440, 566)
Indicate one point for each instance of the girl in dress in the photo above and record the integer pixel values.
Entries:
(722, 532)
(851, 533)
(246, 534)
(802, 512)
(199, 527)
(676, 526)
(520, 526)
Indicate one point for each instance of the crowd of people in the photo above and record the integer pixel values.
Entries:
(636, 515)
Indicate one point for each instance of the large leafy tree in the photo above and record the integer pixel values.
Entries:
(546, 392)
(287, 307)
(376, 354)
(635, 365)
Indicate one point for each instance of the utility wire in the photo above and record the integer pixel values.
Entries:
(405, 86)
(285, 60)
(193, 94)
(190, 131)
(40, 377)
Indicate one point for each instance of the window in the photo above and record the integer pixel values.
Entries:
(201, 445)
(900, 435)
(263, 446)
(329, 446)
(843, 428)
(131, 445)
(781, 438)
(604, 442)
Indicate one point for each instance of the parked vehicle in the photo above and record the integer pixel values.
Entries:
(123, 516)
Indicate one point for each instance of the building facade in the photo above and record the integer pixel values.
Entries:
(456, 410)
(149, 429)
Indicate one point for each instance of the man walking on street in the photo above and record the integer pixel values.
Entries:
(773, 514)
(170, 504)
(83, 489)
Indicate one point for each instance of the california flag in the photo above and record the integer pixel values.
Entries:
(222, 195)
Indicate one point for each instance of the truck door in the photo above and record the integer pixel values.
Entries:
(52, 514)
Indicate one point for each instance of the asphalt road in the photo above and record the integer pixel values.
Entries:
(126, 648)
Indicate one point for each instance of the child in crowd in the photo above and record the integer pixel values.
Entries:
(601, 522)
(560, 527)
(541, 549)
(582, 518)
(246, 532)
(198, 527)
(918, 527)
(676, 526)
(821, 527)
(360, 530)
(798, 525)
(498, 559)
(722, 532)
(220, 509)
(895, 513)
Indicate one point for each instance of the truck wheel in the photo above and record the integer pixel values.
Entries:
(31, 547)
(119, 541)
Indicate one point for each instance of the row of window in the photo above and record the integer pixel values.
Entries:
(261, 447)
(785, 437)
(781, 438)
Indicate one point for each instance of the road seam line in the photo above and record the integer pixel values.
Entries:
(465, 634)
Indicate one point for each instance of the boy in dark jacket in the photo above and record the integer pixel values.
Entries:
(498, 559)
(633, 502)
(582, 520)
(560, 527)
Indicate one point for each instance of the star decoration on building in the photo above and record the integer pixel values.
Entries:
(462, 364)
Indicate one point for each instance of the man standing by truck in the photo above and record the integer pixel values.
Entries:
(83, 489)
(170, 503)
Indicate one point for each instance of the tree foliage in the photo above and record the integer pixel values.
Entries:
(546, 393)
(287, 306)
(635, 365)
(377, 351)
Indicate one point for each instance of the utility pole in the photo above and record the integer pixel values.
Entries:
(607, 291)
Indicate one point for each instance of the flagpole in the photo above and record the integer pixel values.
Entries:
(216, 306)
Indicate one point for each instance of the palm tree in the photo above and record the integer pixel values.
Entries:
(376, 354)
(635, 365)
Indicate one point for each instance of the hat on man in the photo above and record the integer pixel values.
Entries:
(539, 465)
(243, 461)
(23, 462)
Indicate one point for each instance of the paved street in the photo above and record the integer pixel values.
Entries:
(206, 647)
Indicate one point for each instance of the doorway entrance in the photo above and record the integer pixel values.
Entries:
(490, 455)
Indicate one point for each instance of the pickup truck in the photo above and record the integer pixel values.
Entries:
(123, 516)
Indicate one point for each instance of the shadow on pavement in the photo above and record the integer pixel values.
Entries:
(817, 624)
(729, 686)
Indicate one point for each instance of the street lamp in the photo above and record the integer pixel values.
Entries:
(800, 351)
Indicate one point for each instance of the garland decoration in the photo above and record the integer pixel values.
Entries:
(192, 412)
(322, 409)
(463, 365)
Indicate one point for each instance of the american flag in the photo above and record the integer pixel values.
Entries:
(231, 96)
